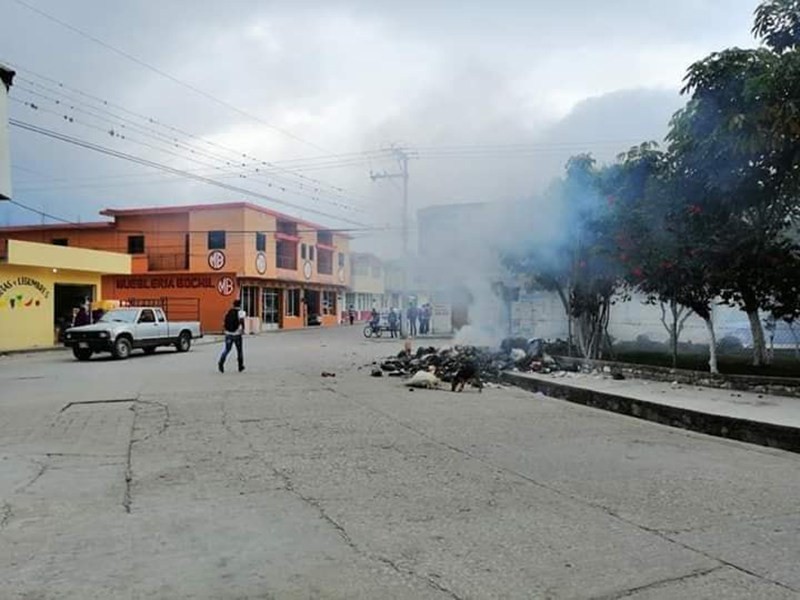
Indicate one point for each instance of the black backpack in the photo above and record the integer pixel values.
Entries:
(232, 321)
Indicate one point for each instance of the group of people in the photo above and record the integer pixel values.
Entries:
(419, 316)
(419, 319)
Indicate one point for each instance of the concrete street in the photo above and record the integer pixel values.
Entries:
(158, 477)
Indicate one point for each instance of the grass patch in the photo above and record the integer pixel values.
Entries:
(785, 364)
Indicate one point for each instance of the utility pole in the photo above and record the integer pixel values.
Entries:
(402, 158)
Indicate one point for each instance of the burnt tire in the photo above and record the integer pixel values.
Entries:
(184, 342)
(82, 354)
(122, 348)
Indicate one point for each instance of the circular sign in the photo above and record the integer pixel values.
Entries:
(261, 263)
(216, 260)
(307, 270)
(341, 275)
(225, 286)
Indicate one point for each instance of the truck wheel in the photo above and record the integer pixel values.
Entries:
(82, 353)
(184, 342)
(122, 348)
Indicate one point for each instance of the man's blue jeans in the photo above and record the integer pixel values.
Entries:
(230, 341)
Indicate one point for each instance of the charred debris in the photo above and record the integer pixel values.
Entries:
(514, 354)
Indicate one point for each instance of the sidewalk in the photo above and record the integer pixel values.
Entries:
(211, 338)
(745, 416)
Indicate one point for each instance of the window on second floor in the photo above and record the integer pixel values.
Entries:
(325, 265)
(286, 255)
(216, 240)
(60, 242)
(325, 238)
(341, 260)
(135, 244)
(303, 251)
(261, 242)
(311, 253)
(287, 228)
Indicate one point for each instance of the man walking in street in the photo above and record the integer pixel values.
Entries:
(234, 329)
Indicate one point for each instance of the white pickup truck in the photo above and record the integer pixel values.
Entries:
(121, 330)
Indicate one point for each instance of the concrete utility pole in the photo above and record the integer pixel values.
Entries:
(6, 78)
(402, 158)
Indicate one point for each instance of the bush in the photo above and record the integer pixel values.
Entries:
(730, 344)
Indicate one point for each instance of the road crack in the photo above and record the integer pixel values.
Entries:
(290, 487)
(608, 511)
(658, 584)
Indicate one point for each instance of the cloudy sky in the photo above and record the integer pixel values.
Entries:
(298, 101)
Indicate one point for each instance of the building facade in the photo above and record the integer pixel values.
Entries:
(197, 259)
(41, 285)
(367, 287)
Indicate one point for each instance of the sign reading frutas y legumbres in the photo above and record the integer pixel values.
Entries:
(6, 76)
(22, 292)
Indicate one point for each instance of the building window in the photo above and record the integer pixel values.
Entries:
(135, 244)
(287, 228)
(325, 266)
(250, 300)
(261, 242)
(286, 255)
(328, 303)
(216, 240)
(60, 242)
(341, 260)
(303, 251)
(311, 253)
(325, 238)
(293, 303)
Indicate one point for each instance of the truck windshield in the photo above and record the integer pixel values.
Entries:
(120, 315)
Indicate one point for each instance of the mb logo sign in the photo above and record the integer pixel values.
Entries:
(6, 77)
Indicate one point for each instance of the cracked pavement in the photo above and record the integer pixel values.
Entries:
(158, 477)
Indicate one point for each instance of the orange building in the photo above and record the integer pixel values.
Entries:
(195, 260)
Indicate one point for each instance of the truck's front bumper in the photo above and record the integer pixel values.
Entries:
(95, 345)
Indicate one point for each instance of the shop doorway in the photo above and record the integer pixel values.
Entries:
(312, 307)
(67, 298)
(271, 308)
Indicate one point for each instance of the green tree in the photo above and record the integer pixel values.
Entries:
(576, 266)
(737, 145)
(661, 250)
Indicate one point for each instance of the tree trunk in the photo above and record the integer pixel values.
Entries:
(759, 345)
(712, 347)
(674, 333)
(796, 340)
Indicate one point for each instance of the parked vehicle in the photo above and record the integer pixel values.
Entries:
(121, 330)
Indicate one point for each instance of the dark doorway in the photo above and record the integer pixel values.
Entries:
(312, 307)
(67, 298)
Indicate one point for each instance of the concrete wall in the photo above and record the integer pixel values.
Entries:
(27, 303)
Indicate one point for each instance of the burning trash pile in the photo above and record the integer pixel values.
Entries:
(478, 364)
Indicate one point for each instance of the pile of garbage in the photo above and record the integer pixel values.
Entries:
(514, 354)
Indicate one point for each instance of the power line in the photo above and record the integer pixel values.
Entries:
(164, 74)
(145, 162)
(115, 133)
(236, 155)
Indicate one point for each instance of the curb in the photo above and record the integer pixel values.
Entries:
(752, 432)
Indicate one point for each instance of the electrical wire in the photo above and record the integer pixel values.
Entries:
(166, 75)
(286, 187)
(148, 163)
